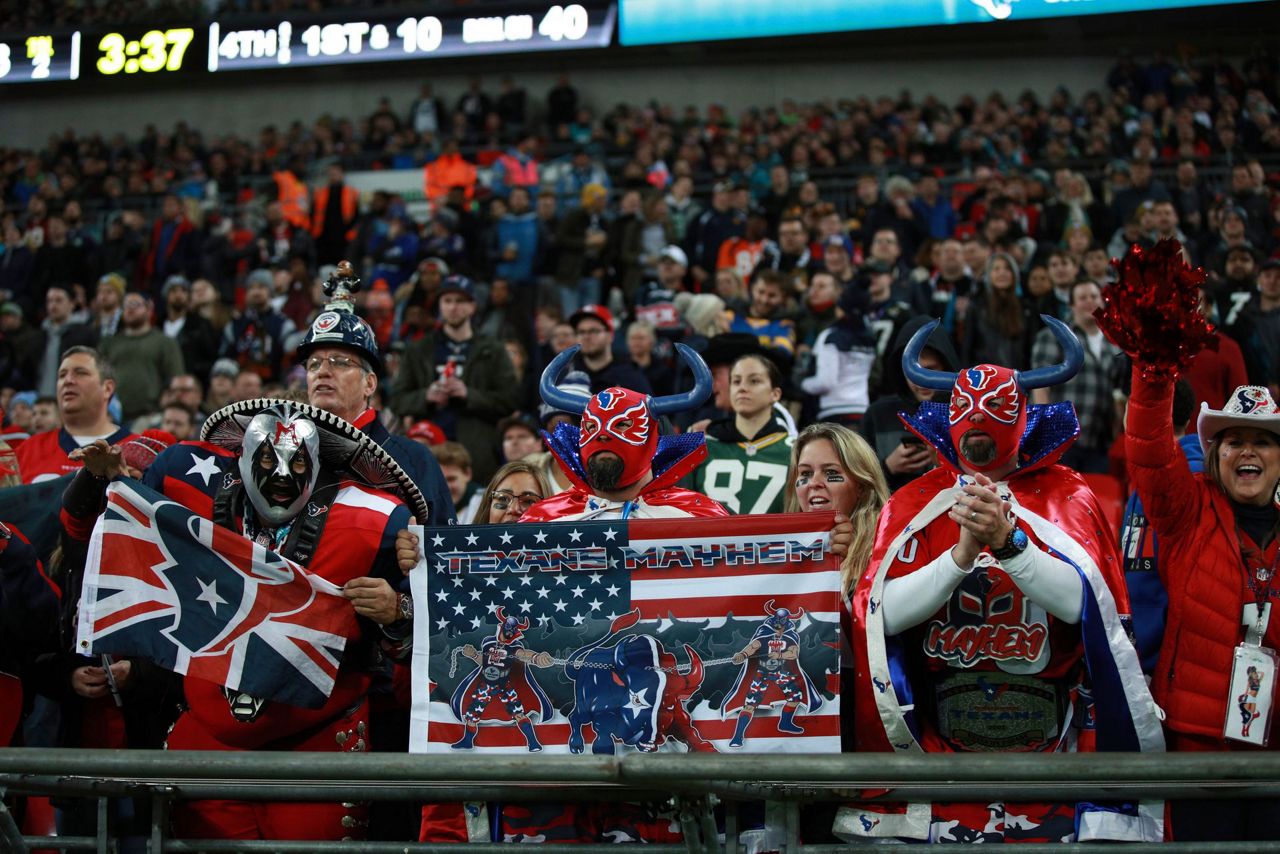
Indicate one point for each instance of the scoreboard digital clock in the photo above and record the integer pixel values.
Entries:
(305, 40)
(154, 50)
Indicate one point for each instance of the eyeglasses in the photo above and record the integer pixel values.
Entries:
(337, 363)
(502, 500)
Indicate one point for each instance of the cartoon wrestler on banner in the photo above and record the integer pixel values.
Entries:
(989, 618)
(632, 691)
(771, 674)
(502, 674)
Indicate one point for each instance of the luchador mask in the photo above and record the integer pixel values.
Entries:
(619, 420)
(280, 463)
(988, 399)
(991, 399)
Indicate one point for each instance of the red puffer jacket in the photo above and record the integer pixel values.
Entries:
(1200, 565)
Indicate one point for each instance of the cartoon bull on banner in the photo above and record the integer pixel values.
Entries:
(632, 692)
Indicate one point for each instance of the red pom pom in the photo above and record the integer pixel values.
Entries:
(1153, 311)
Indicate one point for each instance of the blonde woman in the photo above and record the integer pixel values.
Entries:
(833, 468)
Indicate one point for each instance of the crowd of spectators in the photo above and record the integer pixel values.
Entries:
(817, 231)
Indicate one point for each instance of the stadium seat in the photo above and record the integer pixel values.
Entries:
(1110, 495)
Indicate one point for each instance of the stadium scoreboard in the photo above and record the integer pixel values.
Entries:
(302, 40)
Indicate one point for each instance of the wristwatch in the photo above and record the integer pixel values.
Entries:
(405, 611)
(1015, 544)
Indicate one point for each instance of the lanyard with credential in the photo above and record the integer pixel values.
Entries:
(1261, 581)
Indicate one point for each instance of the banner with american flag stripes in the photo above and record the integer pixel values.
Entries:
(203, 600)
(609, 637)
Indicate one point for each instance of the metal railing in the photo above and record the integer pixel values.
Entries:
(693, 783)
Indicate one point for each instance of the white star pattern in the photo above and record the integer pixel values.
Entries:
(442, 624)
(507, 593)
(457, 582)
(525, 581)
(209, 593)
(637, 703)
(458, 609)
(595, 577)
(595, 604)
(560, 604)
(442, 595)
(577, 592)
(437, 541)
(578, 619)
(612, 590)
(540, 537)
(575, 535)
(472, 539)
(475, 622)
(490, 581)
(609, 534)
(542, 592)
(526, 605)
(506, 537)
(206, 467)
(561, 578)
(475, 595)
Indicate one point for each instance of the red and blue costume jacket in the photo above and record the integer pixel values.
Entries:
(28, 624)
(44, 455)
(999, 631)
(355, 528)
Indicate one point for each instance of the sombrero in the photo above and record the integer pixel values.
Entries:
(343, 447)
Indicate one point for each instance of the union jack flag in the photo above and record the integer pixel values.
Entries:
(202, 600)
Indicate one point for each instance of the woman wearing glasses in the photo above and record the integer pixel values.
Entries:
(515, 488)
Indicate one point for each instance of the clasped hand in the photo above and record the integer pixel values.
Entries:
(983, 517)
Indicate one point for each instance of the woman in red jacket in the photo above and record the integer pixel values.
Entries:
(1219, 549)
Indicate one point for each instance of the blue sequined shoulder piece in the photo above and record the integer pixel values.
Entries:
(1049, 427)
(671, 449)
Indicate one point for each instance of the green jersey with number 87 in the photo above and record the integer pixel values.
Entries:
(746, 477)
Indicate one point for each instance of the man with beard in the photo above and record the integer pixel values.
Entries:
(989, 619)
(619, 467)
(194, 333)
(145, 359)
(463, 382)
(1090, 390)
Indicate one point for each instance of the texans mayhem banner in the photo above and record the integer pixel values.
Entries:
(202, 600)
(604, 637)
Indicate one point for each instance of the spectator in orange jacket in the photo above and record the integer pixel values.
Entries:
(450, 169)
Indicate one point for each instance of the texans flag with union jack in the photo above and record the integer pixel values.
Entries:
(202, 600)
(621, 636)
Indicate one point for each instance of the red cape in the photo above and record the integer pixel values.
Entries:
(1061, 515)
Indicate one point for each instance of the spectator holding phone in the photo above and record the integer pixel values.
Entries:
(902, 455)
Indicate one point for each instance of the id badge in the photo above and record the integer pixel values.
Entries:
(1251, 694)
